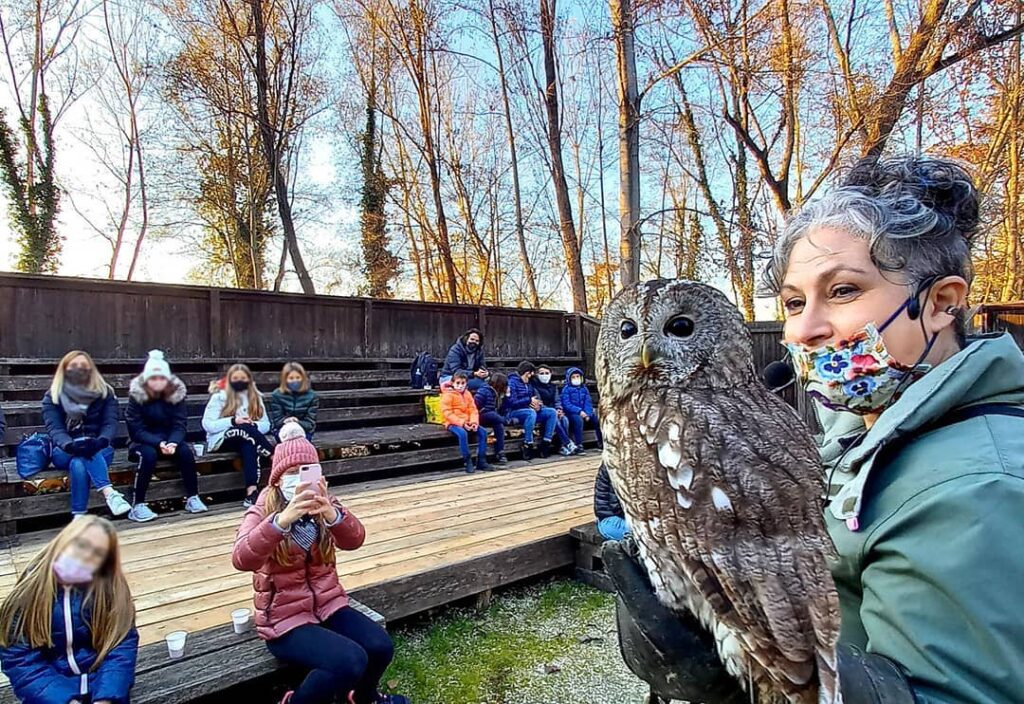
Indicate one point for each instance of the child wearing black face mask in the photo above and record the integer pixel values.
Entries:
(294, 400)
(236, 420)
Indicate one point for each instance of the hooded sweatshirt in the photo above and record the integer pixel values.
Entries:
(576, 398)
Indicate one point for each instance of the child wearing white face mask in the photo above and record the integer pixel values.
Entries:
(579, 407)
(289, 539)
(549, 396)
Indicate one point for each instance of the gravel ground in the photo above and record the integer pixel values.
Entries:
(548, 643)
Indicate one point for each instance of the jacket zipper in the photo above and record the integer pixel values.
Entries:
(309, 556)
(270, 603)
(69, 636)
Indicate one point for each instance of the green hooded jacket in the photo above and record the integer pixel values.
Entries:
(930, 531)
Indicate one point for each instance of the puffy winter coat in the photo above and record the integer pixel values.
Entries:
(458, 408)
(462, 359)
(153, 421)
(548, 392)
(576, 398)
(486, 399)
(100, 420)
(520, 395)
(301, 406)
(58, 674)
(307, 591)
(606, 501)
(215, 426)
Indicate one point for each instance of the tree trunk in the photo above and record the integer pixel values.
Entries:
(623, 20)
(554, 127)
(272, 149)
(524, 255)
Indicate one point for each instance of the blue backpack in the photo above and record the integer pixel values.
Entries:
(423, 373)
(33, 454)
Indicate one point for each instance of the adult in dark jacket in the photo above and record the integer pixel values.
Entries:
(611, 519)
(547, 392)
(488, 399)
(294, 400)
(467, 355)
(80, 414)
(157, 418)
(59, 643)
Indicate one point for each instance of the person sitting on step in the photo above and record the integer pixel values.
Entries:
(157, 419)
(525, 407)
(488, 399)
(80, 414)
(549, 396)
(294, 400)
(467, 355)
(611, 519)
(236, 420)
(67, 627)
(579, 407)
(462, 418)
(288, 540)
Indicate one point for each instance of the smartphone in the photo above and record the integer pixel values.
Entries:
(311, 474)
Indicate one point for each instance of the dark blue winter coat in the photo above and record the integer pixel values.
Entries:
(521, 393)
(606, 501)
(486, 399)
(548, 392)
(462, 359)
(100, 420)
(576, 398)
(153, 421)
(48, 675)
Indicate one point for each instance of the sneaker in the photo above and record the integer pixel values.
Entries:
(500, 458)
(470, 468)
(565, 450)
(250, 499)
(481, 464)
(287, 695)
(194, 504)
(580, 450)
(141, 513)
(572, 447)
(116, 503)
(528, 451)
(545, 448)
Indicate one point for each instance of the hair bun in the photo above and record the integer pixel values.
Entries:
(291, 431)
(939, 184)
(156, 354)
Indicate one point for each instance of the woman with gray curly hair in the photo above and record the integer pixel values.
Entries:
(925, 431)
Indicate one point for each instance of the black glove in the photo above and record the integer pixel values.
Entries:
(103, 443)
(669, 650)
(673, 653)
(84, 447)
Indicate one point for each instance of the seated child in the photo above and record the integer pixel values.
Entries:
(549, 396)
(579, 408)
(611, 519)
(489, 399)
(462, 418)
(294, 400)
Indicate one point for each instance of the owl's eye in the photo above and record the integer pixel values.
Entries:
(628, 329)
(679, 326)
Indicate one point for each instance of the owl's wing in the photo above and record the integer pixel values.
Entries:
(746, 486)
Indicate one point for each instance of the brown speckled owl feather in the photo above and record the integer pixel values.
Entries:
(721, 485)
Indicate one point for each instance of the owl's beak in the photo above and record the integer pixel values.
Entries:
(648, 355)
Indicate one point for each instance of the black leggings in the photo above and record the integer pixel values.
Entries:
(148, 456)
(250, 444)
(346, 652)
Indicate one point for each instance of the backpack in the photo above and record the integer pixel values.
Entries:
(33, 454)
(423, 372)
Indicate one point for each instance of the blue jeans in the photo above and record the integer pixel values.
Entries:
(613, 528)
(526, 417)
(562, 429)
(83, 471)
(495, 422)
(576, 424)
(463, 435)
(548, 419)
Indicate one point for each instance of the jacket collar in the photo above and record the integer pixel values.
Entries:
(177, 394)
(990, 369)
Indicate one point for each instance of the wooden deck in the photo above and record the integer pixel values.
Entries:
(430, 539)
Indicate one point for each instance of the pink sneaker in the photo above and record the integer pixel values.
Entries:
(287, 697)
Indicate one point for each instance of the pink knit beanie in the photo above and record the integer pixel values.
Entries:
(293, 450)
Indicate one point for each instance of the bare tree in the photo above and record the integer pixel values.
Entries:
(624, 24)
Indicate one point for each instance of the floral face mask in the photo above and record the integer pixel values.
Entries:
(857, 374)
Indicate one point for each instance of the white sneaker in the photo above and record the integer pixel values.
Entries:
(194, 504)
(116, 503)
(141, 513)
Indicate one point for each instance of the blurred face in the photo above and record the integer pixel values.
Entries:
(78, 371)
(527, 376)
(544, 374)
(473, 339)
(293, 378)
(459, 385)
(80, 362)
(157, 384)
(832, 289)
(239, 375)
(91, 547)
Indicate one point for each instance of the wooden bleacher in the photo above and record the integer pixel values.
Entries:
(431, 539)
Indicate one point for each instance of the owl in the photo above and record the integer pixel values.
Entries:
(721, 485)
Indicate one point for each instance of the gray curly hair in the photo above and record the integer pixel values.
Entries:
(917, 213)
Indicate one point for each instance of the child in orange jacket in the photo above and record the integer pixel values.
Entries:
(461, 418)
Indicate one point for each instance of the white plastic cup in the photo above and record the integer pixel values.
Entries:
(199, 449)
(240, 620)
(176, 643)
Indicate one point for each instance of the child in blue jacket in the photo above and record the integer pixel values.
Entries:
(77, 581)
(579, 408)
